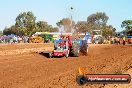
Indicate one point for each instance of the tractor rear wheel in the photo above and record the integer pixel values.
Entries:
(84, 48)
(75, 50)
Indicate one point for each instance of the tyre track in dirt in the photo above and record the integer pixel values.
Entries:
(36, 71)
(114, 71)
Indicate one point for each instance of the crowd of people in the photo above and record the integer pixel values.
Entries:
(36, 39)
(13, 39)
(118, 41)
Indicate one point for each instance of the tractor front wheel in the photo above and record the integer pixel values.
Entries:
(50, 55)
(66, 55)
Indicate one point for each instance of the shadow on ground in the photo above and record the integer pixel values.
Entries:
(44, 54)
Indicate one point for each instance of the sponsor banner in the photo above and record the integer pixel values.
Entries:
(103, 78)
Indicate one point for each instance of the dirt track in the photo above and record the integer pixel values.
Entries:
(32, 70)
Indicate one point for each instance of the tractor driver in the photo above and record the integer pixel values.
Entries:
(63, 43)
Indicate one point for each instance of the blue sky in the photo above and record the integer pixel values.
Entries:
(54, 10)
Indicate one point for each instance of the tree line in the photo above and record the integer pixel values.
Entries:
(25, 24)
(97, 21)
(127, 25)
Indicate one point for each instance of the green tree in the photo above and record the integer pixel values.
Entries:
(1, 33)
(42, 26)
(14, 30)
(6, 31)
(10, 30)
(55, 29)
(108, 30)
(25, 22)
(82, 27)
(97, 20)
(127, 24)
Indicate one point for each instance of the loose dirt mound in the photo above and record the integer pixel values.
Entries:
(36, 71)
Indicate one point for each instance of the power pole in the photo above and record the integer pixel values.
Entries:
(71, 8)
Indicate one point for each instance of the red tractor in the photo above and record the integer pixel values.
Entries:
(61, 48)
(66, 47)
